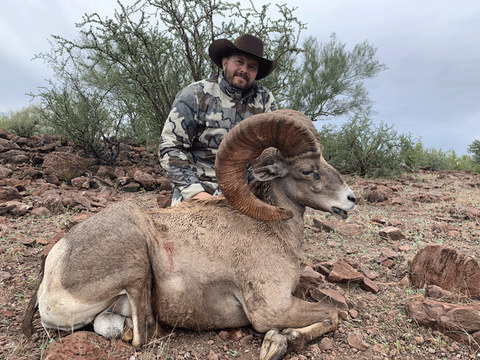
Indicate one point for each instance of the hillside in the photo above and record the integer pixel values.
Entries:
(46, 188)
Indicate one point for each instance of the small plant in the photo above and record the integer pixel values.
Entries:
(398, 345)
(32, 279)
(361, 148)
(24, 122)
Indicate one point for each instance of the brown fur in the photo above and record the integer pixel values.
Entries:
(203, 264)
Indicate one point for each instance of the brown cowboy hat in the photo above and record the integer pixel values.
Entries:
(244, 44)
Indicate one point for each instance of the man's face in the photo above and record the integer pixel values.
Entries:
(240, 70)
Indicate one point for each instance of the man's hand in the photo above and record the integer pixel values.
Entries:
(202, 195)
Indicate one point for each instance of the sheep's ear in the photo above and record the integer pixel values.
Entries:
(269, 172)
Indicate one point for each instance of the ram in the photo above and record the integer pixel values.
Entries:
(216, 263)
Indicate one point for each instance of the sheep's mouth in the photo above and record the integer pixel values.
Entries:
(342, 213)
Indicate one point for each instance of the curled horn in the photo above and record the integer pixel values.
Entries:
(285, 130)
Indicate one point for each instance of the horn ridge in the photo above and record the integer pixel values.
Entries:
(279, 129)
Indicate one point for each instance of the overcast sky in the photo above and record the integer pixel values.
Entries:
(431, 47)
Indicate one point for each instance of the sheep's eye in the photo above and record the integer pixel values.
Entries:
(316, 175)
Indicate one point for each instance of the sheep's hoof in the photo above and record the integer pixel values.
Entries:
(274, 346)
(127, 334)
(295, 339)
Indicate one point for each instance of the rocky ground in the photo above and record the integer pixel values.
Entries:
(362, 266)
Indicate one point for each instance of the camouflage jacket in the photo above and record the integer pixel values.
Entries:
(201, 116)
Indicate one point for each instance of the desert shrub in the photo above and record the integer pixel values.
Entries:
(474, 149)
(437, 159)
(24, 122)
(434, 159)
(362, 148)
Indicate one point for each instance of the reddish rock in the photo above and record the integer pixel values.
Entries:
(342, 227)
(106, 172)
(356, 342)
(426, 198)
(15, 156)
(32, 173)
(163, 183)
(164, 199)
(397, 201)
(42, 241)
(326, 344)
(471, 213)
(343, 272)
(80, 202)
(445, 267)
(369, 285)
(453, 234)
(146, 180)
(17, 208)
(8, 194)
(65, 166)
(312, 276)
(353, 313)
(4, 276)
(371, 274)
(392, 233)
(81, 182)
(375, 195)
(122, 181)
(330, 297)
(389, 253)
(42, 188)
(118, 172)
(377, 219)
(309, 279)
(132, 187)
(323, 268)
(5, 172)
(404, 247)
(212, 355)
(6, 144)
(395, 223)
(460, 322)
(53, 202)
(436, 292)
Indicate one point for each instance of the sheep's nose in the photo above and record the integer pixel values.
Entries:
(351, 198)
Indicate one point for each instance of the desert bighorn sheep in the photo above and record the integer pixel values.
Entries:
(216, 263)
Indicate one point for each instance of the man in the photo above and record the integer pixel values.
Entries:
(204, 112)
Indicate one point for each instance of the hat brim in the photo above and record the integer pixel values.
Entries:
(224, 48)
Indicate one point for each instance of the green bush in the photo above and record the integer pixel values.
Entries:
(433, 159)
(474, 149)
(24, 122)
(361, 148)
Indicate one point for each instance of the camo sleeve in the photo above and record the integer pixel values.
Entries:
(176, 139)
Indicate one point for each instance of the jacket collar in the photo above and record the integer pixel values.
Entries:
(233, 91)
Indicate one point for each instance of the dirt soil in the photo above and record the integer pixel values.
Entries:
(428, 207)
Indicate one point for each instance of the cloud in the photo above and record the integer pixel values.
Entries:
(431, 87)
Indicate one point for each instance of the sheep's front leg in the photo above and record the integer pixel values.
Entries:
(275, 344)
(302, 323)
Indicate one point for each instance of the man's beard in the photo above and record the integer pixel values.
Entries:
(230, 78)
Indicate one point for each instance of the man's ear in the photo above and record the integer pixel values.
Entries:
(269, 172)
